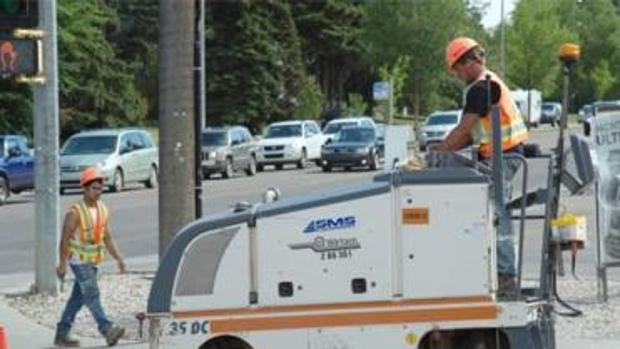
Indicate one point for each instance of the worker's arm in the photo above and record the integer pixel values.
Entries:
(460, 136)
(110, 244)
(69, 226)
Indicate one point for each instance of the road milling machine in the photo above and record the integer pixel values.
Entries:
(407, 260)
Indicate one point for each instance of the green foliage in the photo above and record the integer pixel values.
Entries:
(420, 29)
(15, 108)
(254, 69)
(310, 99)
(532, 57)
(355, 106)
(603, 79)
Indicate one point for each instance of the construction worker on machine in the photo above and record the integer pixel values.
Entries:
(466, 59)
(83, 252)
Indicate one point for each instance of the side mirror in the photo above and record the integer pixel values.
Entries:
(235, 142)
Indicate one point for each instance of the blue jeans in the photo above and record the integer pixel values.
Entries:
(85, 293)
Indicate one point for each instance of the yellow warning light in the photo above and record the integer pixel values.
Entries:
(411, 338)
(570, 52)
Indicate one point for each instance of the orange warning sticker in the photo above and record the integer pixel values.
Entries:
(415, 216)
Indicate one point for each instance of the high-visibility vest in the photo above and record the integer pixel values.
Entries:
(89, 247)
(514, 131)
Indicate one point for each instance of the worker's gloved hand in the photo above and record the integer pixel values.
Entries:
(61, 271)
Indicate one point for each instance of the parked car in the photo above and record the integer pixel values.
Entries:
(228, 149)
(16, 166)
(551, 113)
(598, 107)
(437, 127)
(290, 142)
(353, 146)
(335, 125)
(123, 156)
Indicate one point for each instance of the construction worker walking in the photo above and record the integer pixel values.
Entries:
(83, 251)
(466, 59)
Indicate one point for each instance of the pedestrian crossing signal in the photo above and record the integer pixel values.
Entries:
(18, 14)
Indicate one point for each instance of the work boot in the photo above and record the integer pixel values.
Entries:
(66, 341)
(507, 286)
(115, 332)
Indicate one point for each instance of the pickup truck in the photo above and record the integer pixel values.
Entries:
(16, 166)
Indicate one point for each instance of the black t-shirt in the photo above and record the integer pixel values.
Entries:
(476, 101)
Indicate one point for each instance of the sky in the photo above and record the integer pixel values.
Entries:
(493, 15)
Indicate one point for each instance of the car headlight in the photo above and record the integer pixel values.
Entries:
(212, 155)
(219, 156)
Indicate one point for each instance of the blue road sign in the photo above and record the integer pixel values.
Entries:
(381, 90)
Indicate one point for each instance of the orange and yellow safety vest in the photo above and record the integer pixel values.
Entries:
(514, 131)
(89, 247)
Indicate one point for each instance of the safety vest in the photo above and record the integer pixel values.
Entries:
(89, 246)
(514, 131)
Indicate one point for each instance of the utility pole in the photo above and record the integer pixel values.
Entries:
(502, 49)
(46, 171)
(200, 106)
(176, 118)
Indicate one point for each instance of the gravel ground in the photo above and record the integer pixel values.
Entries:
(125, 295)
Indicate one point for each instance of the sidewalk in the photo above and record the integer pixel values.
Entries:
(24, 333)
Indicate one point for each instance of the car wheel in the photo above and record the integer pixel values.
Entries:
(228, 171)
(117, 182)
(347, 168)
(327, 168)
(374, 161)
(259, 168)
(279, 167)
(302, 161)
(251, 170)
(317, 162)
(206, 175)
(62, 191)
(152, 181)
(4, 191)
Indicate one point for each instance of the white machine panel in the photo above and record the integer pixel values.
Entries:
(332, 253)
(446, 240)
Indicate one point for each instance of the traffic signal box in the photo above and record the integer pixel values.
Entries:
(20, 47)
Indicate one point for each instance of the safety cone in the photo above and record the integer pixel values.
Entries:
(4, 343)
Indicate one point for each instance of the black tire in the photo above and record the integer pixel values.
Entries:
(206, 175)
(260, 168)
(4, 190)
(279, 167)
(251, 169)
(327, 168)
(228, 170)
(118, 182)
(302, 161)
(374, 161)
(317, 162)
(62, 191)
(347, 168)
(152, 181)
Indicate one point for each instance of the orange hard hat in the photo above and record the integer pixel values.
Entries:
(90, 174)
(457, 48)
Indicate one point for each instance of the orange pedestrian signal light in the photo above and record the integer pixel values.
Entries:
(19, 57)
(18, 14)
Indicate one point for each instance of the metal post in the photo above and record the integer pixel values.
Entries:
(199, 105)
(391, 102)
(46, 171)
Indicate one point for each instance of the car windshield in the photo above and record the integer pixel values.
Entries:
(214, 138)
(441, 119)
(547, 107)
(281, 131)
(356, 135)
(90, 145)
(335, 127)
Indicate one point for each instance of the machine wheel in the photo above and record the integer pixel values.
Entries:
(251, 170)
(4, 190)
(118, 182)
(302, 162)
(152, 181)
(228, 170)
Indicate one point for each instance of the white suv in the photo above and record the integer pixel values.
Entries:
(290, 142)
(334, 126)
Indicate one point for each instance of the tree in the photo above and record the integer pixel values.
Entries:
(254, 70)
(96, 87)
(532, 57)
(603, 79)
(394, 28)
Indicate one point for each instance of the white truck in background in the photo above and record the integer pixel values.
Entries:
(529, 103)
